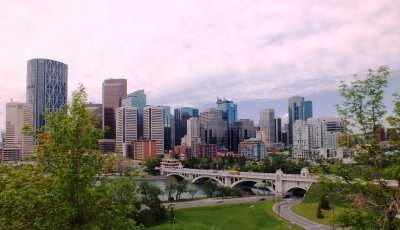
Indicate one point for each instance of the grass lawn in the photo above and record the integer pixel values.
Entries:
(309, 211)
(249, 216)
(308, 207)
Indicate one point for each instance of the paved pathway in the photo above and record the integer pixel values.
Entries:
(283, 210)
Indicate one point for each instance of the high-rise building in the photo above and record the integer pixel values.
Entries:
(181, 115)
(18, 115)
(207, 115)
(315, 134)
(2, 138)
(153, 126)
(298, 110)
(267, 126)
(167, 128)
(193, 127)
(46, 88)
(216, 133)
(229, 115)
(126, 128)
(301, 140)
(136, 99)
(243, 130)
(192, 137)
(229, 108)
(113, 91)
(97, 111)
(278, 130)
(308, 111)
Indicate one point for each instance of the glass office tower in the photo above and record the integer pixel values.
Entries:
(46, 88)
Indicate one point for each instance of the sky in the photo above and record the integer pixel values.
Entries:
(188, 53)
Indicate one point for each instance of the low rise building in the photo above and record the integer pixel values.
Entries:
(144, 149)
(252, 149)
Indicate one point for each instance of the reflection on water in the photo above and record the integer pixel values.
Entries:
(256, 189)
(164, 197)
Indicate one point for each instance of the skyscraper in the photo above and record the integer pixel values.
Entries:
(298, 110)
(136, 99)
(181, 115)
(167, 128)
(113, 91)
(243, 130)
(206, 116)
(267, 126)
(308, 111)
(192, 137)
(278, 130)
(230, 110)
(229, 115)
(18, 115)
(97, 111)
(153, 126)
(126, 129)
(46, 88)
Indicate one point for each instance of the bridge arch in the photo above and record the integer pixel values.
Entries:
(296, 191)
(270, 185)
(207, 177)
(244, 181)
(177, 174)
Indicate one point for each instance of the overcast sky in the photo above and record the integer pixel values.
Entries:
(188, 53)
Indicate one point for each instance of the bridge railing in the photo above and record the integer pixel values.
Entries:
(246, 174)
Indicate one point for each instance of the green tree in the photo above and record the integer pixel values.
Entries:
(61, 190)
(182, 187)
(151, 164)
(156, 212)
(363, 111)
(192, 192)
(210, 187)
(170, 187)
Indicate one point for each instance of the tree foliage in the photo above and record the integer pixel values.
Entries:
(363, 111)
(61, 190)
(210, 187)
(150, 197)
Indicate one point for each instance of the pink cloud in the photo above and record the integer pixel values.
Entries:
(242, 50)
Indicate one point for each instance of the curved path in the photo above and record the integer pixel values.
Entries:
(283, 210)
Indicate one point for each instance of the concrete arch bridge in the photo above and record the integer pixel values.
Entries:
(278, 183)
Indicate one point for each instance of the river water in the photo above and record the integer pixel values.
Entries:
(159, 181)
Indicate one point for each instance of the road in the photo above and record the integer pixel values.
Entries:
(283, 210)
(215, 201)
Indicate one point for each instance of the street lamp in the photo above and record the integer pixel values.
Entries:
(173, 220)
(333, 217)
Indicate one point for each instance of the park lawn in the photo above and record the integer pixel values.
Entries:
(249, 216)
(308, 207)
(309, 211)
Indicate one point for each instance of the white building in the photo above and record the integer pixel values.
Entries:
(317, 138)
(192, 138)
(18, 115)
(153, 126)
(126, 121)
(301, 139)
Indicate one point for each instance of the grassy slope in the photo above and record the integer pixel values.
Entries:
(308, 207)
(247, 216)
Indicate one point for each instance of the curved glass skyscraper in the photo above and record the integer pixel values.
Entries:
(46, 88)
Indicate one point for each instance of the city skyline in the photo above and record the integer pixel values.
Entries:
(189, 53)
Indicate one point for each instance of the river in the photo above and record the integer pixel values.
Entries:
(159, 181)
